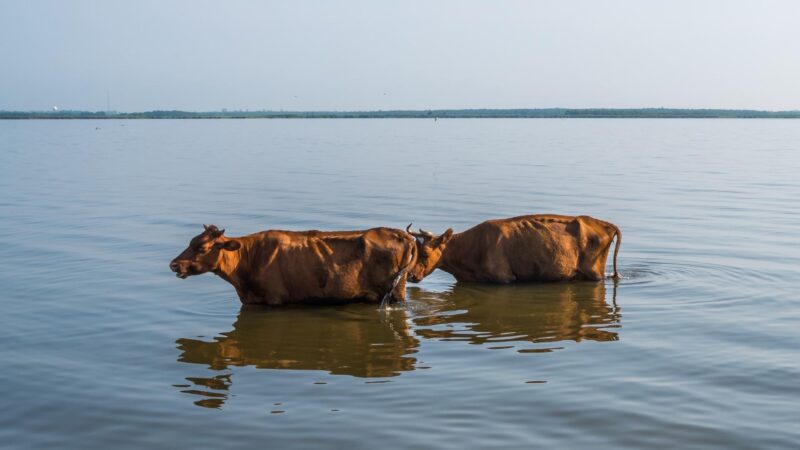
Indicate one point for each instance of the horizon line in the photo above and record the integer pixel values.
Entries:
(485, 113)
(394, 110)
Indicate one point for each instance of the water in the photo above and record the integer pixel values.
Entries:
(697, 347)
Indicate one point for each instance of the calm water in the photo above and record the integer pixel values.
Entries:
(697, 347)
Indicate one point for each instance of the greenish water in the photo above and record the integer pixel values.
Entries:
(696, 347)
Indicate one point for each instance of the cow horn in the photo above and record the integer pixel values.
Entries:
(213, 230)
(420, 233)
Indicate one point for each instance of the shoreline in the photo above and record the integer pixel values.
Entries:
(549, 113)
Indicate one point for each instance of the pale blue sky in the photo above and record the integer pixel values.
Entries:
(345, 55)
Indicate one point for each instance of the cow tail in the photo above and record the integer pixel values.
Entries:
(618, 234)
(408, 258)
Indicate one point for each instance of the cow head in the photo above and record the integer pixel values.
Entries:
(203, 253)
(429, 250)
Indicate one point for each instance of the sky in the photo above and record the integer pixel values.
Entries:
(370, 55)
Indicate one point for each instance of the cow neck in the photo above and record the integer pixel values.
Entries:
(450, 251)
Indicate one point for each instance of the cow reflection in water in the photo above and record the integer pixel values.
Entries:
(361, 341)
(534, 313)
(356, 340)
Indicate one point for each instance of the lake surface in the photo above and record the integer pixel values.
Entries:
(698, 346)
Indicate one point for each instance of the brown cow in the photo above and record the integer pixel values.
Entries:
(278, 267)
(532, 248)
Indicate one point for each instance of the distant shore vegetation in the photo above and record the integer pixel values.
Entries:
(557, 113)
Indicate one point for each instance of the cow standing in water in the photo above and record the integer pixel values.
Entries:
(279, 267)
(531, 248)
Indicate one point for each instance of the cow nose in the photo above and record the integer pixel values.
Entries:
(173, 266)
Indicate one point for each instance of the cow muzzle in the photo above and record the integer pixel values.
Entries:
(182, 269)
(415, 276)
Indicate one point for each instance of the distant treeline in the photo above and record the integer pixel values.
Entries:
(414, 114)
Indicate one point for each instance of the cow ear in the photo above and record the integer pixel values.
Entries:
(229, 245)
(446, 236)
